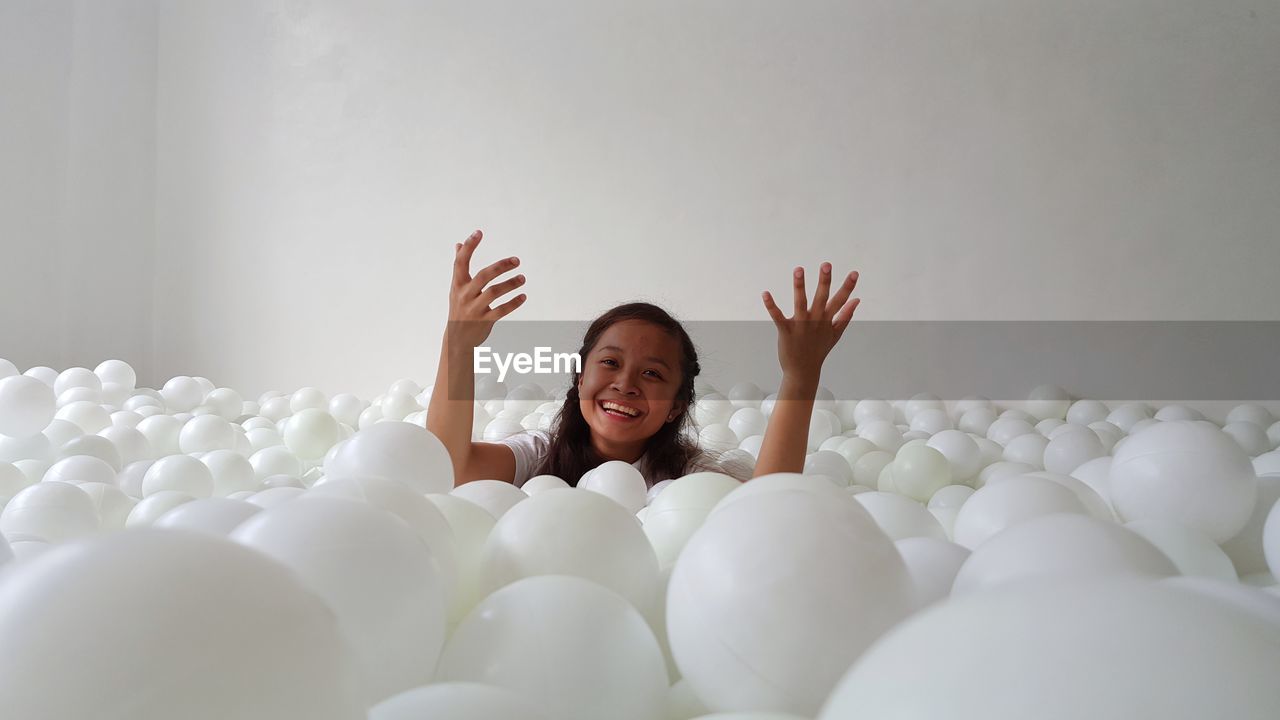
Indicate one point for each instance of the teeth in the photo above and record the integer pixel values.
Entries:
(619, 408)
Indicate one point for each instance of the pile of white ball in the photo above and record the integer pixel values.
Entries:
(185, 553)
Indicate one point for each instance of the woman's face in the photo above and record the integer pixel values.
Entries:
(636, 364)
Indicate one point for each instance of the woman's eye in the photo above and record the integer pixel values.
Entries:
(655, 374)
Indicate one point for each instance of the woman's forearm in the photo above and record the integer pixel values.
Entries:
(450, 413)
(786, 437)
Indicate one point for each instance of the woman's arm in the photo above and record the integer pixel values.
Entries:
(450, 412)
(804, 341)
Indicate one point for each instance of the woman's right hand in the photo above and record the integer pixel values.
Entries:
(470, 317)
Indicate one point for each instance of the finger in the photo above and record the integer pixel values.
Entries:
(486, 275)
(842, 293)
(772, 308)
(462, 259)
(494, 292)
(845, 316)
(824, 287)
(799, 300)
(505, 308)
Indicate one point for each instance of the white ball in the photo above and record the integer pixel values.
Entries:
(346, 408)
(619, 481)
(131, 445)
(932, 564)
(182, 393)
(831, 465)
(977, 421)
(227, 403)
(118, 372)
(883, 433)
(27, 406)
(1048, 401)
(231, 471)
(748, 421)
(307, 398)
(984, 658)
(1245, 548)
(1083, 412)
(153, 507)
(277, 460)
(867, 468)
(900, 517)
(675, 514)
(205, 433)
(1070, 449)
(182, 473)
(495, 496)
(471, 526)
(50, 511)
(397, 451)
(1270, 540)
(184, 637)
(77, 377)
(1250, 437)
(919, 471)
(455, 701)
(1060, 547)
(1186, 472)
(1005, 429)
(1191, 552)
(757, 615)
(932, 421)
(162, 432)
(1027, 449)
(1001, 505)
(542, 483)
(961, 451)
(89, 416)
(1250, 412)
(310, 432)
(573, 532)
(604, 662)
(213, 516)
(81, 468)
(375, 573)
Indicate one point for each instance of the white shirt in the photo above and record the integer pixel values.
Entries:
(531, 446)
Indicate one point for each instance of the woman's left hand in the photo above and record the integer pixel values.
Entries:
(805, 339)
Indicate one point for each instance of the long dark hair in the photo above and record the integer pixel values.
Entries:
(570, 453)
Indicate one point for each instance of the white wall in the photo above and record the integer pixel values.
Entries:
(315, 162)
(77, 181)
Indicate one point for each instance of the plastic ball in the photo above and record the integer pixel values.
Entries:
(606, 660)
(275, 460)
(205, 433)
(867, 468)
(831, 465)
(197, 654)
(153, 507)
(1071, 449)
(112, 504)
(1189, 550)
(1059, 547)
(932, 564)
(130, 445)
(81, 468)
(1083, 412)
(182, 393)
(677, 513)
(977, 421)
(884, 434)
(573, 532)
(26, 406)
(310, 433)
(757, 616)
(619, 481)
(961, 452)
(1027, 449)
(542, 483)
(1190, 473)
(397, 451)
(455, 701)
(900, 517)
(748, 421)
(984, 657)
(162, 432)
(1001, 505)
(919, 471)
(51, 511)
(1245, 548)
(1250, 412)
(1250, 437)
(182, 473)
(375, 573)
(89, 416)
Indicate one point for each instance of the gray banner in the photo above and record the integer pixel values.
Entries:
(1001, 360)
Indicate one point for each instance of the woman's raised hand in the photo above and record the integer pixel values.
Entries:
(805, 339)
(470, 317)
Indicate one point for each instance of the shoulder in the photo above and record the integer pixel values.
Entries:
(536, 440)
